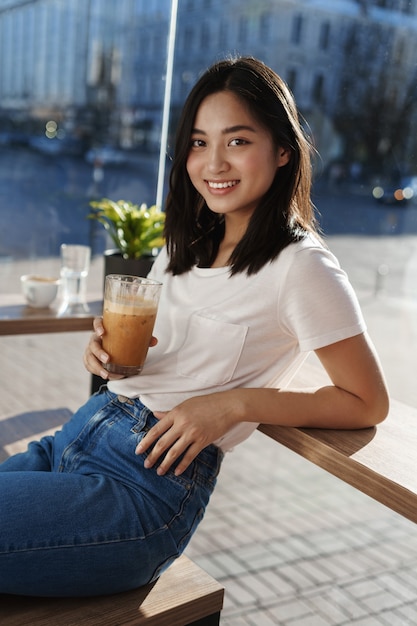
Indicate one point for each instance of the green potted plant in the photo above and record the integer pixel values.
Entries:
(136, 231)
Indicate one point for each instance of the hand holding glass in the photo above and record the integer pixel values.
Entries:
(129, 313)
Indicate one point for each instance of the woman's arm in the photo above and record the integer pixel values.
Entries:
(358, 398)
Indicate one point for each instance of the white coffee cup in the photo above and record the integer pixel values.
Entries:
(39, 291)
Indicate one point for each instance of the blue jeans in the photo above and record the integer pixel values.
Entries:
(80, 515)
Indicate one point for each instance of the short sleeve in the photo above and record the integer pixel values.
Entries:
(318, 305)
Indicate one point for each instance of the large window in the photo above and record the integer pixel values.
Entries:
(83, 96)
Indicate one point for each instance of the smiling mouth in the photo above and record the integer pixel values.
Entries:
(222, 185)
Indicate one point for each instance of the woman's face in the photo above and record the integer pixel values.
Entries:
(232, 160)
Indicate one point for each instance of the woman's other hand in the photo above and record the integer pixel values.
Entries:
(188, 428)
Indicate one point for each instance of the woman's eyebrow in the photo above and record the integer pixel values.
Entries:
(238, 128)
(228, 130)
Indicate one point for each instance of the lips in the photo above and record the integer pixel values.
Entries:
(222, 184)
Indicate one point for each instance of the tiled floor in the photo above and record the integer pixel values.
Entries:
(295, 546)
(292, 545)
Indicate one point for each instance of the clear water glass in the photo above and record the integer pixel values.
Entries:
(75, 265)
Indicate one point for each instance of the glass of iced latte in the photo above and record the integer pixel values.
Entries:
(129, 312)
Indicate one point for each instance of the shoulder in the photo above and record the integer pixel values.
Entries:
(305, 257)
(310, 272)
(317, 302)
(309, 246)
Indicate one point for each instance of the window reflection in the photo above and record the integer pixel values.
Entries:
(97, 70)
(81, 93)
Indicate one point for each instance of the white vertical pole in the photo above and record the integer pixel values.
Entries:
(167, 103)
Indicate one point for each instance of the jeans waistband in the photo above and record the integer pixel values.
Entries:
(211, 455)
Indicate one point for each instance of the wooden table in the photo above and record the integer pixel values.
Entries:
(16, 318)
(379, 461)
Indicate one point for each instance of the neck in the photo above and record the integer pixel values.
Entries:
(234, 231)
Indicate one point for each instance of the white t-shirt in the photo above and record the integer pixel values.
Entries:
(217, 332)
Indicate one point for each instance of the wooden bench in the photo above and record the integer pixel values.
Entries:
(184, 595)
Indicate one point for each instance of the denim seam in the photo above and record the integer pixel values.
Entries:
(69, 546)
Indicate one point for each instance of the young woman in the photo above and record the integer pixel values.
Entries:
(248, 291)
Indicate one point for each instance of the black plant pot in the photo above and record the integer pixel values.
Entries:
(114, 263)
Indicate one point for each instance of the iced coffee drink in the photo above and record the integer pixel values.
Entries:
(129, 312)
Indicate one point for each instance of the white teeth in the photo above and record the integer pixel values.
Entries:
(230, 183)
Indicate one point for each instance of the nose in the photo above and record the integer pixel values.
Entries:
(217, 160)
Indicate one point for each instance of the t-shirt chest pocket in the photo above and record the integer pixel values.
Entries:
(211, 350)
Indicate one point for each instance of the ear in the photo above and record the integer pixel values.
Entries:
(283, 156)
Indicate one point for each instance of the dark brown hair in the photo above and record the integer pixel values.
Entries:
(285, 213)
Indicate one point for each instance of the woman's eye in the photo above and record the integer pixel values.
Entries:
(238, 142)
(197, 143)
